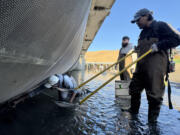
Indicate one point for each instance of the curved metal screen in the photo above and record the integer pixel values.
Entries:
(38, 38)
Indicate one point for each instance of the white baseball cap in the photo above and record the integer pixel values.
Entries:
(52, 81)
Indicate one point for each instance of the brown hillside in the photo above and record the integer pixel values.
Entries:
(102, 56)
(106, 56)
(111, 57)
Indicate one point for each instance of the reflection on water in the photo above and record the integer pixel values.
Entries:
(100, 115)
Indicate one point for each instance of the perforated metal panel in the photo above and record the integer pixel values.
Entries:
(38, 38)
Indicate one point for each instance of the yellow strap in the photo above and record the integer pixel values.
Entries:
(95, 91)
(103, 70)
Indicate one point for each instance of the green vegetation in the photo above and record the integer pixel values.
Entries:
(177, 60)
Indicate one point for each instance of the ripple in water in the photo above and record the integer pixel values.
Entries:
(100, 115)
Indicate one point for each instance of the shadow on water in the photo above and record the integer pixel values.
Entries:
(101, 115)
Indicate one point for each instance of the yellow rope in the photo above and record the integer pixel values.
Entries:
(95, 91)
(103, 71)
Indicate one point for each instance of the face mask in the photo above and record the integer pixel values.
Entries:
(124, 44)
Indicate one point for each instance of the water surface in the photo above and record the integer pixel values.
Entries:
(100, 115)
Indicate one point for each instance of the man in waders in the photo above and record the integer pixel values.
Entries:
(150, 71)
(126, 47)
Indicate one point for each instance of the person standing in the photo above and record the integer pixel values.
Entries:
(126, 47)
(150, 71)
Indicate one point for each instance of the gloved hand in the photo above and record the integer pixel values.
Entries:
(154, 48)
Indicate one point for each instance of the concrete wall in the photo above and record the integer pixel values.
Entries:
(100, 9)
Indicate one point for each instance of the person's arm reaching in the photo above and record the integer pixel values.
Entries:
(169, 37)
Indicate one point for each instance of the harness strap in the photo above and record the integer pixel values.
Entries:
(169, 92)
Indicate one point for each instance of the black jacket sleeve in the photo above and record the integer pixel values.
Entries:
(168, 37)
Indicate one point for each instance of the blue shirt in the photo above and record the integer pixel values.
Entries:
(67, 82)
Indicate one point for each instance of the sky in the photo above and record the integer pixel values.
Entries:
(117, 24)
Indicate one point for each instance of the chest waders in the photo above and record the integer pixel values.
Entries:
(125, 75)
(149, 75)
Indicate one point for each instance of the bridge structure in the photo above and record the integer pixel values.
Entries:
(99, 10)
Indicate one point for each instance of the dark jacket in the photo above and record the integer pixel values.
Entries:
(150, 71)
(168, 36)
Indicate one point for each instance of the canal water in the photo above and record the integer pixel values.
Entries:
(100, 115)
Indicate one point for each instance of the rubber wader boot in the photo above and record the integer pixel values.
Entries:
(135, 103)
(153, 113)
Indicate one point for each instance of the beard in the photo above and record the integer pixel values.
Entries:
(124, 44)
(141, 26)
